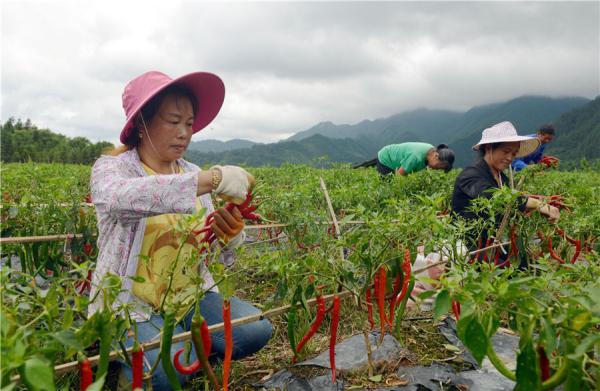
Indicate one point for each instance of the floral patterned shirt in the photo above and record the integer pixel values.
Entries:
(124, 196)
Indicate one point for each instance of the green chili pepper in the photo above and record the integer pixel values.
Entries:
(165, 350)
(105, 343)
(402, 307)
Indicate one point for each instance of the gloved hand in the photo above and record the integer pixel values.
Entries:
(235, 183)
(229, 227)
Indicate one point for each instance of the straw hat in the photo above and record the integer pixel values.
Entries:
(206, 87)
(505, 132)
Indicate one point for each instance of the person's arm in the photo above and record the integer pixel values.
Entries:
(128, 198)
(401, 171)
(549, 211)
(518, 165)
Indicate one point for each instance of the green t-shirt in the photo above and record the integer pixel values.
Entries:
(410, 156)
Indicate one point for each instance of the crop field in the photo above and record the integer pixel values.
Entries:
(334, 246)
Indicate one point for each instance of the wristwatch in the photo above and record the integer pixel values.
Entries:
(216, 178)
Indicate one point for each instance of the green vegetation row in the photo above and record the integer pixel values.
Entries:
(550, 305)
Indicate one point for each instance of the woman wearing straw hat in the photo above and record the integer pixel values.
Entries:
(498, 147)
(141, 191)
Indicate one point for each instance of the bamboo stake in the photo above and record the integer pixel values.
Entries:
(332, 214)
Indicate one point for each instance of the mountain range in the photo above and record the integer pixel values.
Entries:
(460, 130)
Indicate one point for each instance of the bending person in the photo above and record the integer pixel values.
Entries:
(545, 134)
(498, 147)
(407, 158)
(140, 194)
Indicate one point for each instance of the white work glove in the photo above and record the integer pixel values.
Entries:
(235, 183)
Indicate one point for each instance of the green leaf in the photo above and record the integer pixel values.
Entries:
(442, 304)
(586, 345)
(69, 339)
(528, 372)
(427, 294)
(376, 378)
(548, 336)
(476, 340)
(98, 384)
(138, 279)
(38, 374)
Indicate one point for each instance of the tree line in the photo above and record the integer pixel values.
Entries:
(23, 142)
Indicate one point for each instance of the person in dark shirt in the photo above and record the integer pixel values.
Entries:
(498, 147)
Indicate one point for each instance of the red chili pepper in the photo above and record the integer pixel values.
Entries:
(544, 363)
(87, 248)
(485, 255)
(228, 342)
(314, 326)
(497, 256)
(382, 281)
(206, 338)
(86, 376)
(456, 309)
(137, 362)
(407, 272)
(552, 253)
(199, 341)
(335, 319)
(514, 250)
(369, 308)
(185, 369)
(575, 242)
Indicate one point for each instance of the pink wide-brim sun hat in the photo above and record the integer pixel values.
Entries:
(208, 89)
(505, 132)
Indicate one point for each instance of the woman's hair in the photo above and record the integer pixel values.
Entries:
(149, 110)
(493, 146)
(546, 129)
(445, 155)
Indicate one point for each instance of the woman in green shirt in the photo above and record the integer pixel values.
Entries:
(407, 158)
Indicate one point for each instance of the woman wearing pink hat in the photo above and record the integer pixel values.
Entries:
(140, 192)
(498, 147)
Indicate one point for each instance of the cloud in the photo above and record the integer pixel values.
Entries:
(288, 66)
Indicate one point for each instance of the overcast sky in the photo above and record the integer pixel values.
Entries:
(289, 66)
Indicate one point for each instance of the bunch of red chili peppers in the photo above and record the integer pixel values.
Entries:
(401, 287)
(549, 161)
(553, 253)
(245, 208)
(314, 326)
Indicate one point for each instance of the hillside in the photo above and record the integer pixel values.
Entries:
(219, 146)
(578, 133)
(362, 141)
(306, 151)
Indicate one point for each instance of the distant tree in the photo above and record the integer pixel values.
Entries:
(24, 142)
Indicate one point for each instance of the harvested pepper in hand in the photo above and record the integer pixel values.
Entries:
(137, 363)
(335, 319)
(86, 376)
(314, 326)
(228, 343)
